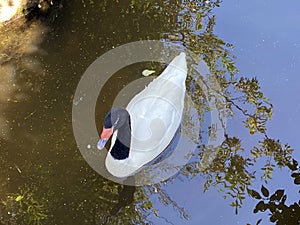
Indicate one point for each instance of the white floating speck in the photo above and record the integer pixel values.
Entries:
(146, 72)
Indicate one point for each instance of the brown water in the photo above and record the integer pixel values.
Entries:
(39, 157)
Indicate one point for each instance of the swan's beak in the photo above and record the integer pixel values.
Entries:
(105, 135)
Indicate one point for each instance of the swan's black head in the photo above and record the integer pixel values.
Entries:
(116, 119)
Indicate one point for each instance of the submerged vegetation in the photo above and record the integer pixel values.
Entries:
(22, 208)
(56, 186)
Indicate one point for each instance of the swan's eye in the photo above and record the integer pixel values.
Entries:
(115, 124)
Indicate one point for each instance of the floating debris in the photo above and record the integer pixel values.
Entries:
(18, 169)
(147, 73)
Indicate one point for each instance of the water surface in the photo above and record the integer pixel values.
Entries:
(41, 164)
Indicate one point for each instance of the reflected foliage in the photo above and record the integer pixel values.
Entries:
(280, 212)
(234, 169)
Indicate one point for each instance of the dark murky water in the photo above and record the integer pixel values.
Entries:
(43, 176)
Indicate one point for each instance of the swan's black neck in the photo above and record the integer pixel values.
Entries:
(121, 147)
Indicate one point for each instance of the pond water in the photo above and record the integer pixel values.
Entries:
(44, 177)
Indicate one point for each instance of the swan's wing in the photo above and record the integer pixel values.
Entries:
(156, 112)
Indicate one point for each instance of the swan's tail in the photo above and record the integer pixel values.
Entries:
(176, 70)
(179, 62)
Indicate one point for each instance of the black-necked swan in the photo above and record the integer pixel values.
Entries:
(148, 124)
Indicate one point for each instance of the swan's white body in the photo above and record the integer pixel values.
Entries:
(156, 114)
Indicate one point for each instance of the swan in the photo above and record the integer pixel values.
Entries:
(148, 124)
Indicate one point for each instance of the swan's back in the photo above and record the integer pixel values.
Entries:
(176, 71)
(156, 112)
